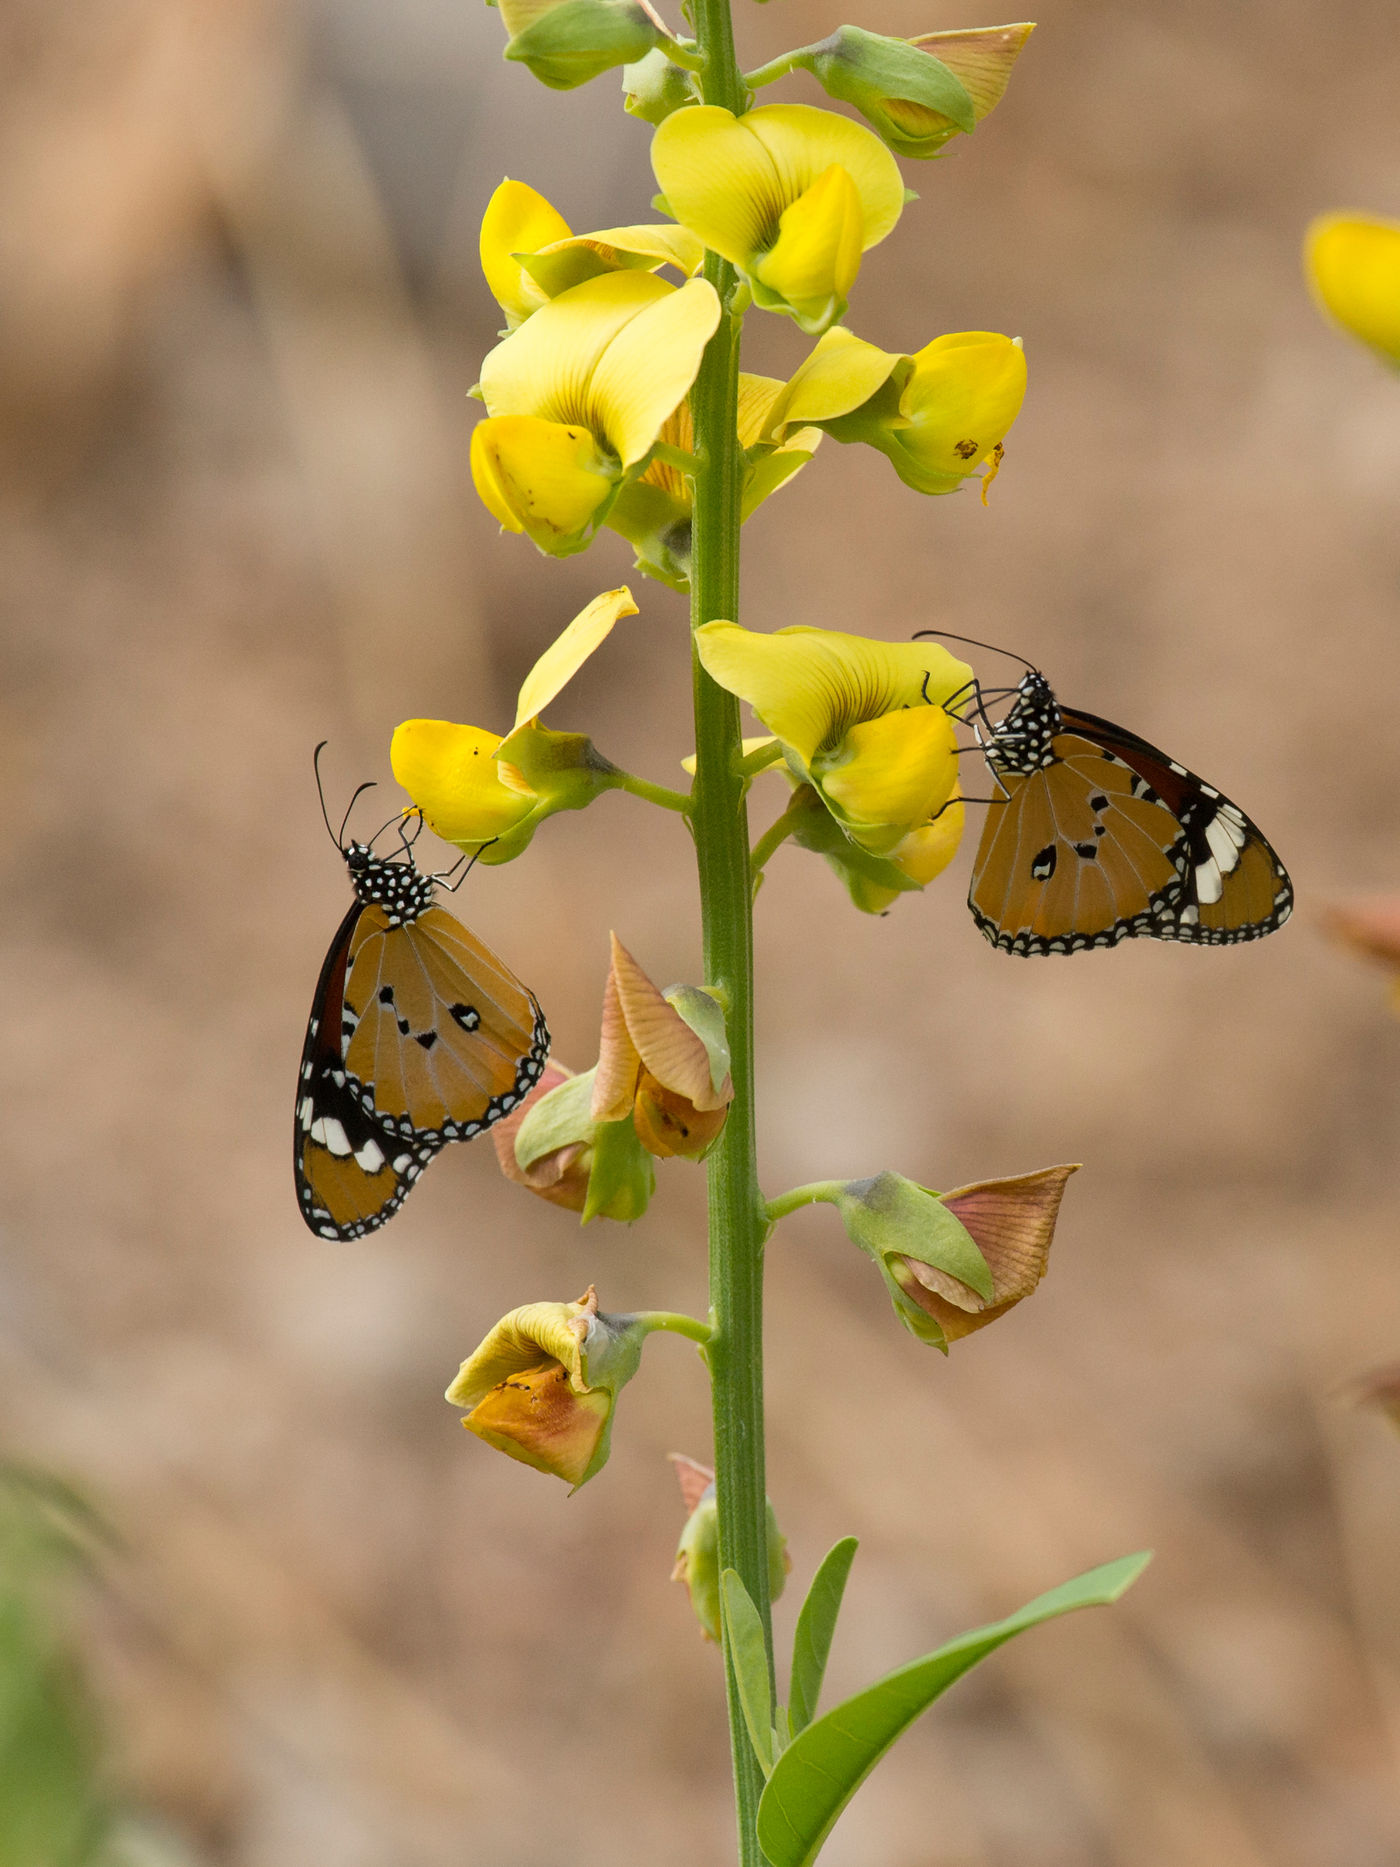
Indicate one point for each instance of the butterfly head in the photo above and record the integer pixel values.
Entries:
(398, 887)
(1022, 743)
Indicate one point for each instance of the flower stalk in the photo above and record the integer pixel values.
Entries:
(738, 1224)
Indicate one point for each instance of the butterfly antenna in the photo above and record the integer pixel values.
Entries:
(321, 791)
(971, 642)
(358, 793)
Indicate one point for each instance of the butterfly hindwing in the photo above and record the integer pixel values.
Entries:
(352, 1172)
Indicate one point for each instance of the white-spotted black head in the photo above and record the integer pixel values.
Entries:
(398, 887)
(1023, 742)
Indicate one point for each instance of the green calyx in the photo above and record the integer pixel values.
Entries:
(578, 39)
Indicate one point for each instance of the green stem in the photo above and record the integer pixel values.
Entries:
(720, 819)
(678, 457)
(760, 760)
(678, 1323)
(773, 838)
(656, 794)
(809, 1195)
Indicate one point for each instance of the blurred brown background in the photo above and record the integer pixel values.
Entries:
(241, 311)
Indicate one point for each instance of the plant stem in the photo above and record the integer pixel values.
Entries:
(656, 793)
(774, 69)
(720, 819)
(677, 1323)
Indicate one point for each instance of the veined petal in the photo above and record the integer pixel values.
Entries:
(840, 373)
(562, 660)
(730, 179)
(897, 770)
(813, 263)
(546, 478)
(527, 1336)
(811, 686)
(568, 262)
(1353, 264)
(650, 364)
(517, 220)
(451, 774)
(546, 367)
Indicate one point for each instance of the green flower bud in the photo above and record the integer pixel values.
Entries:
(697, 1554)
(567, 44)
(654, 87)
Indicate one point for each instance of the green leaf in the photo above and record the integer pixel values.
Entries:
(820, 1771)
(748, 1655)
(815, 1625)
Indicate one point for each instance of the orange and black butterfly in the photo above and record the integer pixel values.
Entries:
(1099, 837)
(418, 1036)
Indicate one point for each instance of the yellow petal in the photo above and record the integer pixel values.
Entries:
(927, 851)
(615, 355)
(451, 774)
(568, 262)
(534, 1333)
(1353, 264)
(536, 1416)
(650, 365)
(546, 478)
(840, 373)
(517, 220)
(562, 660)
(730, 179)
(811, 686)
(965, 391)
(897, 770)
(813, 263)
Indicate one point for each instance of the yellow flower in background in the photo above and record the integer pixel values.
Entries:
(487, 793)
(577, 396)
(653, 511)
(541, 1387)
(937, 415)
(1353, 265)
(529, 253)
(791, 195)
(863, 722)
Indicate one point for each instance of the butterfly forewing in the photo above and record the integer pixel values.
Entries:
(444, 1039)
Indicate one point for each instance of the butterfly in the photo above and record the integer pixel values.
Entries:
(1098, 837)
(418, 1036)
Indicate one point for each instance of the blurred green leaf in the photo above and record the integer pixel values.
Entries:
(821, 1769)
(815, 1626)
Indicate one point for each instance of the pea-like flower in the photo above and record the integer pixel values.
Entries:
(663, 1061)
(697, 1554)
(1353, 266)
(576, 398)
(488, 794)
(567, 42)
(952, 1262)
(864, 723)
(542, 1386)
(918, 93)
(530, 254)
(791, 195)
(937, 415)
(553, 1145)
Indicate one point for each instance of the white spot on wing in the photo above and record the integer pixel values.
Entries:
(371, 1156)
(331, 1135)
(1225, 843)
(1210, 884)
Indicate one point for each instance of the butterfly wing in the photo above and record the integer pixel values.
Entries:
(352, 1171)
(1233, 885)
(441, 1038)
(1078, 854)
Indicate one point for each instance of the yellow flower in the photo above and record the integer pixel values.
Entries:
(576, 398)
(653, 512)
(918, 93)
(529, 254)
(863, 722)
(873, 882)
(792, 196)
(488, 794)
(1353, 266)
(542, 1386)
(937, 415)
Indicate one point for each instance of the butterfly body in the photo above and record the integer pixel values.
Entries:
(418, 1036)
(1100, 837)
